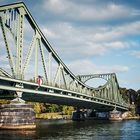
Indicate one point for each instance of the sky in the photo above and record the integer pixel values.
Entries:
(93, 36)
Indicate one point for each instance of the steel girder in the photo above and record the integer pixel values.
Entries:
(12, 18)
(110, 90)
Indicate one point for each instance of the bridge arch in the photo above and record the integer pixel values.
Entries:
(85, 78)
(95, 82)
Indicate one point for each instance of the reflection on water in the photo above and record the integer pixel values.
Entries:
(69, 130)
(17, 134)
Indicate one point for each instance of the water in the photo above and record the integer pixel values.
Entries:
(69, 130)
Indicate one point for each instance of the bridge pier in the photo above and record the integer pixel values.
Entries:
(78, 115)
(111, 115)
(18, 98)
(115, 115)
(17, 115)
(102, 115)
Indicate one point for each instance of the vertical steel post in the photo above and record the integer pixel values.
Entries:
(43, 59)
(20, 30)
(64, 77)
(68, 81)
(36, 61)
(114, 88)
(59, 76)
(9, 53)
(49, 68)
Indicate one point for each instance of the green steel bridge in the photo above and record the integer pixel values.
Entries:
(25, 53)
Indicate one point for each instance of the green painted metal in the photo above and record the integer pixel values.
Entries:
(73, 95)
(36, 61)
(65, 82)
(10, 57)
(49, 68)
(4, 73)
(108, 91)
(43, 60)
(29, 54)
(19, 42)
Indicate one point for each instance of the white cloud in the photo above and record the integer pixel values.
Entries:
(69, 40)
(97, 34)
(136, 54)
(118, 32)
(88, 67)
(135, 12)
(92, 12)
(132, 82)
(3, 58)
(49, 33)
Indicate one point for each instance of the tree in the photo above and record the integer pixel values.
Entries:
(132, 96)
(138, 102)
(37, 108)
(124, 93)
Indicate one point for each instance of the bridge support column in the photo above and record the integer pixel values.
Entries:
(17, 114)
(18, 98)
(19, 95)
(78, 115)
(91, 114)
(102, 115)
(115, 115)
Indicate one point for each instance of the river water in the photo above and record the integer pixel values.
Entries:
(85, 130)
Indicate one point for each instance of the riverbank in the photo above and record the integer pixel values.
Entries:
(60, 116)
(52, 116)
(132, 118)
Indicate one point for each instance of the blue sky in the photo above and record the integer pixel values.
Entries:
(93, 36)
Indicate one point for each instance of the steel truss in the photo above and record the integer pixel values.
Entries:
(62, 80)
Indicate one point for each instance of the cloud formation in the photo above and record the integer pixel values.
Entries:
(92, 11)
(136, 54)
(88, 67)
(85, 41)
(91, 36)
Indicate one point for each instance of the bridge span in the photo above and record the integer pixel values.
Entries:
(29, 56)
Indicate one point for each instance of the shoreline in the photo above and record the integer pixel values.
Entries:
(53, 116)
(132, 118)
(59, 116)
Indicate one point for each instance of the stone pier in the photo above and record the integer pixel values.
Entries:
(78, 115)
(102, 115)
(17, 116)
(115, 115)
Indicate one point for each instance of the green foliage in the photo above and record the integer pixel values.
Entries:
(124, 93)
(138, 97)
(59, 108)
(52, 108)
(4, 101)
(37, 108)
(67, 110)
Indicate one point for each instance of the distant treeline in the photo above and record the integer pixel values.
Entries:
(132, 97)
(52, 108)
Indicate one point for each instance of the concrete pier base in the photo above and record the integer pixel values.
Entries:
(102, 115)
(115, 115)
(17, 116)
(78, 115)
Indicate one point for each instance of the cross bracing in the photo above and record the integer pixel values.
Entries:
(29, 54)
